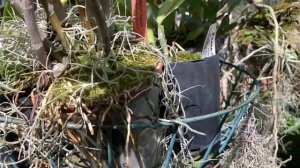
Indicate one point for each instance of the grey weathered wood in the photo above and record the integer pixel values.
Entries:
(33, 31)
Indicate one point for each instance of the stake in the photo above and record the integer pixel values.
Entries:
(139, 15)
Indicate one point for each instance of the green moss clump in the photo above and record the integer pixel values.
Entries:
(184, 56)
(141, 61)
(99, 80)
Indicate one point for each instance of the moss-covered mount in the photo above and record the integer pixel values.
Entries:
(99, 81)
(184, 56)
(258, 31)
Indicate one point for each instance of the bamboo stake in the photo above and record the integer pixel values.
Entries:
(55, 22)
(59, 11)
(139, 15)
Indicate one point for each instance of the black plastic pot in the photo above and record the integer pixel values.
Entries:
(199, 83)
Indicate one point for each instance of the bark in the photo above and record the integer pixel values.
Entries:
(95, 12)
(105, 6)
(18, 6)
(33, 31)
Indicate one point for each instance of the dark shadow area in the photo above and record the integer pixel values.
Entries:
(292, 145)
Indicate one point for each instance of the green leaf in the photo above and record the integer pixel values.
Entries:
(225, 22)
(233, 4)
(125, 7)
(167, 8)
(250, 33)
(169, 24)
(294, 128)
(162, 39)
(195, 33)
(152, 11)
(8, 11)
(210, 8)
(195, 8)
(150, 36)
(226, 26)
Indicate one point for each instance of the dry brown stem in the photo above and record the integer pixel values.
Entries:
(276, 74)
(128, 136)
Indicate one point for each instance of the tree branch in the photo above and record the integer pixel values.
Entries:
(95, 10)
(33, 32)
(17, 4)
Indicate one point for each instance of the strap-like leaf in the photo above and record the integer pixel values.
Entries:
(167, 7)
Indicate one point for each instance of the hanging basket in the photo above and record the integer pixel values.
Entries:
(147, 127)
(218, 125)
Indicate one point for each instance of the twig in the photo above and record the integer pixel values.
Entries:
(183, 124)
(6, 87)
(90, 156)
(285, 161)
(84, 20)
(103, 116)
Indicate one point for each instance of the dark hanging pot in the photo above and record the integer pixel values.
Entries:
(199, 81)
